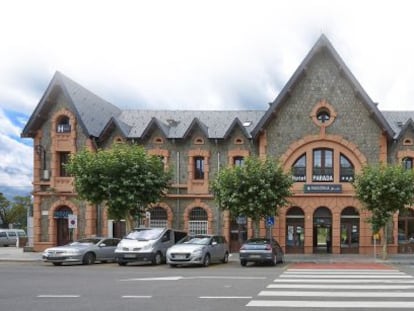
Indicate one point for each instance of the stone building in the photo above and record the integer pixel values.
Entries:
(323, 126)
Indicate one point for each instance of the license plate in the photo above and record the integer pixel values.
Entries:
(179, 256)
(254, 256)
(129, 255)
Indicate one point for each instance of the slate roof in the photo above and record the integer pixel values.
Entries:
(98, 117)
(399, 120)
(178, 123)
(93, 112)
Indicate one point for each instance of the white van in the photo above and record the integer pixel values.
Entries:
(9, 236)
(147, 244)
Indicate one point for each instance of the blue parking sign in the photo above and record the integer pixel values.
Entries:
(270, 221)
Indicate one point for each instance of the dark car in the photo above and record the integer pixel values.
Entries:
(261, 250)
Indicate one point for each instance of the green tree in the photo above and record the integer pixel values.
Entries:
(18, 211)
(124, 177)
(256, 189)
(14, 212)
(4, 211)
(384, 190)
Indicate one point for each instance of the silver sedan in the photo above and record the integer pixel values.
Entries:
(85, 251)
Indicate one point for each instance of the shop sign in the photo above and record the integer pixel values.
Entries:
(62, 214)
(322, 188)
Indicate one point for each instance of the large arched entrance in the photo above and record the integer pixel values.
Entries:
(322, 230)
(295, 230)
(198, 221)
(349, 231)
(60, 215)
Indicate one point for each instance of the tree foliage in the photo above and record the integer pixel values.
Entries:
(124, 177)
(14, 212)
(256, 189)
(384, 190)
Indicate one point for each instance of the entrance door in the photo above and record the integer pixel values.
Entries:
(322, 237)
(322, 230)
(63, 236)
(238, 233)
(349, 231)
(62, 225)
(295, 230)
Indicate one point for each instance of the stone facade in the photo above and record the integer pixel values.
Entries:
(322, 125)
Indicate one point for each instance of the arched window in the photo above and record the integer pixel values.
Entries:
(238, 161)
(347, 172)
(198, 221)
(63, 125)
(159, 217)
(407, 163)
(323, 165)
(299, 169)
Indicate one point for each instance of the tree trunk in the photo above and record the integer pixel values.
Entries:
(256, 228)
(385, 243)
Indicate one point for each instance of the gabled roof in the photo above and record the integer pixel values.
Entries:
(155, 123)
(322, 44)
(93, 113)
(400, 121)
(194, 124)
(178, 123)
(237, 123)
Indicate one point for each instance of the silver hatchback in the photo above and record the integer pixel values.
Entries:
(201, 249)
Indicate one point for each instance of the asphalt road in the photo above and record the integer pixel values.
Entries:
(38, 286)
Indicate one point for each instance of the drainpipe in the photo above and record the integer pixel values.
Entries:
(177, 220)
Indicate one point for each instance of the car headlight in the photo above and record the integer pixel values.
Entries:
(198, 251)
(147, 247)
(73, 252)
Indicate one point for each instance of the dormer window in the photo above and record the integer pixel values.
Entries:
(63, 125)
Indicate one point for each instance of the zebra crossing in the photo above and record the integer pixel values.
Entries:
(338, 288)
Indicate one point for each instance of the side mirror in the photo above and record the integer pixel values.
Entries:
(214, 243)
(102, 245)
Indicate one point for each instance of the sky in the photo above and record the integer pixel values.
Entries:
(189, 54)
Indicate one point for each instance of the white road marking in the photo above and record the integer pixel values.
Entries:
(332, 304)
(169, 278)
(347, 276)
(225, 297)
(345, 270)
(135, 297)
(360, 281)
(335, 286)
(177, 278)
(58, 296)
(325, 293)
(352, 272)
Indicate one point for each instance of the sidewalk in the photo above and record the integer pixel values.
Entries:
(18, 254)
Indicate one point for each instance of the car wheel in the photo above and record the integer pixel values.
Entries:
(57, 263)
(243, 263)
(157, 259)
(206, 260)
(122, 263)
(225, 258)
(88, 259)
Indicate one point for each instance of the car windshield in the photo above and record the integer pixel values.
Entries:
(258, 241)
(84, 242)
(145, 234)
(198, 239)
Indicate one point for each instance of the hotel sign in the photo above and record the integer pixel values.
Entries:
(322, 188)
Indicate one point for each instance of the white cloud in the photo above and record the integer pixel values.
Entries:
(186, 54)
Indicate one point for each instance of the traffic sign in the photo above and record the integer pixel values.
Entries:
(270, 221)
(72, 221)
